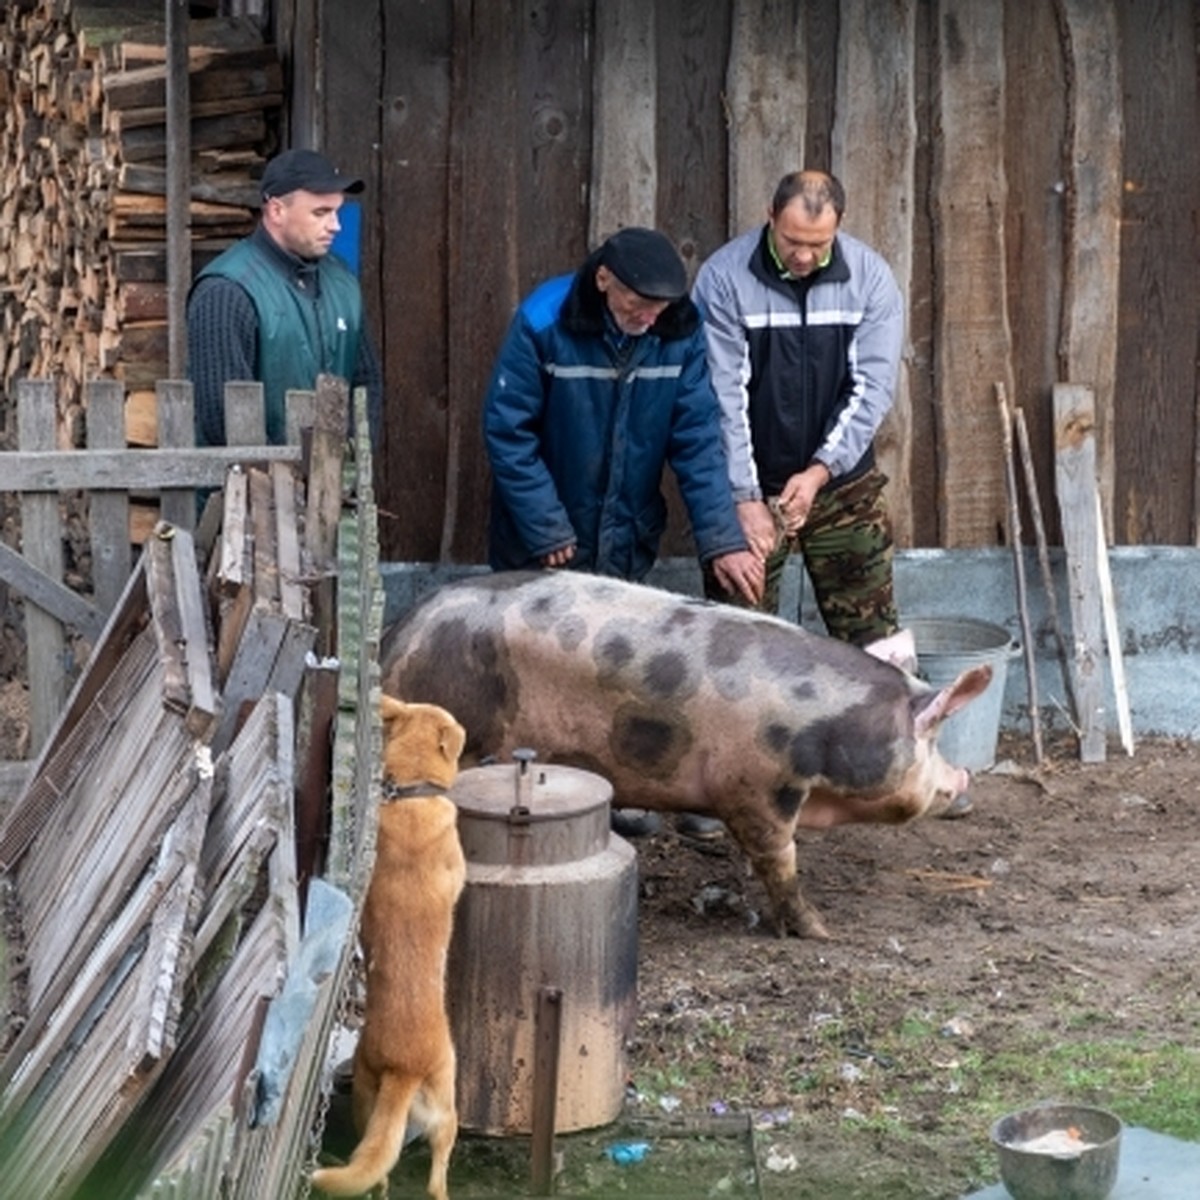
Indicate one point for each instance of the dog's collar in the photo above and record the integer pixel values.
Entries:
(392, 790)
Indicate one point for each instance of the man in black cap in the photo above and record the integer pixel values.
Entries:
(602, 381)
(277, 307)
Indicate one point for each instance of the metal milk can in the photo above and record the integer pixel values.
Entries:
(542, 976)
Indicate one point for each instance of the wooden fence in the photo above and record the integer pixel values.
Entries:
(170, 897)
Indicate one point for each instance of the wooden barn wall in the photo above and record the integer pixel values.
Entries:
(1031, 170)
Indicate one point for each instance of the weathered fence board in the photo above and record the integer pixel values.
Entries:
(1075, 442)
(766, 95)
(1093, 188)
(973, 338)
(625, 122)
(874, 153)
(41, 543)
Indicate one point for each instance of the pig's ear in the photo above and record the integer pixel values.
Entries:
(899, 649)
(931, 709)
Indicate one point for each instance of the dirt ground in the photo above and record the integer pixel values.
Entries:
(967, 957)
(1066, 903)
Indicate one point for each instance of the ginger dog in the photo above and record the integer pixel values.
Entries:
(404, 1062)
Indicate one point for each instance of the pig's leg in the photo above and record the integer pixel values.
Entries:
(771, 850)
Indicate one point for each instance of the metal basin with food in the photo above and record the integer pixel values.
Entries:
(1058, 1152)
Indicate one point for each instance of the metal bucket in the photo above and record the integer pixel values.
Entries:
(947, 646)
(549, 909)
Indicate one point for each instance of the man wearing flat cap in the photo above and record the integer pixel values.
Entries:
(277, 307)
(602, 381)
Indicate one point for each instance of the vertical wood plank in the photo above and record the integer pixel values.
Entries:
(766, 95)
(1092, 251)
(923, 471)
(1036, 99)
(351, 115)
(692, 47)
(414, 172)
(176, 429)
(1075, 477)
(972, 338)
(245, 414)
(179, 185)
(624, 131)
(484, 288)
(1157, 369)
(874, 152)
(108, 512)
(554, 147)
(41, 543)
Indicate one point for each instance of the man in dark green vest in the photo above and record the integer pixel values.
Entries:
(277, 307)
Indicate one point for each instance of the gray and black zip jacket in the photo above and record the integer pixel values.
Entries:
(805, 369)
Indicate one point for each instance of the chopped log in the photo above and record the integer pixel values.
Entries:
(234, 129)
(240, 73)
(235, 188)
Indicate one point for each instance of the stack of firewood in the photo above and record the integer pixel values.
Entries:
(83, 289)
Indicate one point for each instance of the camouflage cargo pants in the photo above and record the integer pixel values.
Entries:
(847, 548)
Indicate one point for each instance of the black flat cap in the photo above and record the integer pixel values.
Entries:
(295, 169)
(645, 260)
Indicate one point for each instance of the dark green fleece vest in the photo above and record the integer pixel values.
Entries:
(308, 323)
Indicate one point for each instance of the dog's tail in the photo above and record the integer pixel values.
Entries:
(382, 1140)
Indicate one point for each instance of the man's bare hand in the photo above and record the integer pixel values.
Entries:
(741, 572)
(796, 499)
(559, 558)
(758, 525)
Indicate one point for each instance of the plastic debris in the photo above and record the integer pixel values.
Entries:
(772, 1118)
(780, 1161)
(624, 1153)
(958, 1027)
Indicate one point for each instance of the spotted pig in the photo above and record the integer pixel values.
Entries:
(685, 705)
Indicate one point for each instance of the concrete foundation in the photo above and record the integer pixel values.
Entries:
(1156, 592)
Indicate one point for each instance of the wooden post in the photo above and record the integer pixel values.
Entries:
(112, 557)
(176, 429)
(547, 1034)
(1075, 474)
(179, 188)
(41, 544)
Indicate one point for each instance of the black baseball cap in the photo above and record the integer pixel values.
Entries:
(646, 261)
(295, 169)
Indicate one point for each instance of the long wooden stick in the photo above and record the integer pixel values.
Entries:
(1112, 632)
(1035, 509)
(1014, 537)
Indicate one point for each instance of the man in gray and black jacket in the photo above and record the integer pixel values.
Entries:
(804, 327)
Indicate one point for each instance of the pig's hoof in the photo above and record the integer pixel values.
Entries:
(959, 807)
(803, 922)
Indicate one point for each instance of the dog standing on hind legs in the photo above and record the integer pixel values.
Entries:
(404, 1063)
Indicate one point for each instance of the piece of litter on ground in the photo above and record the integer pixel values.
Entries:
(668, 1103)
(624, 1153)
(958, 1027)
(779, 1161)
(772, 1118)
